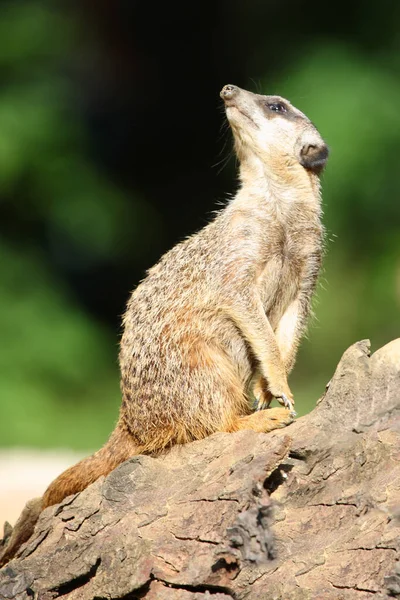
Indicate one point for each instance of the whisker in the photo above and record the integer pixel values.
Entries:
(257, 85)
(223, 162)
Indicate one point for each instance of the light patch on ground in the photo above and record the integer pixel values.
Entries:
(25, 474)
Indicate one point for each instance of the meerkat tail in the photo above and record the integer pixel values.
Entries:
(119, 448)
(22, 530)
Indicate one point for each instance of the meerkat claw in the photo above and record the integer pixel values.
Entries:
(259, 405)
(287, 404)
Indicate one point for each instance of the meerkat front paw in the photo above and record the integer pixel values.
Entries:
(283, 394)
(287, 403)
(264, 395)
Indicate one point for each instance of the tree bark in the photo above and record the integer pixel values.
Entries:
(308, 512)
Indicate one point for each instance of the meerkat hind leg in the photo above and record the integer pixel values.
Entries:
(264, 421)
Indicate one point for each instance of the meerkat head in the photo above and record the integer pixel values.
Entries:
(274, 131)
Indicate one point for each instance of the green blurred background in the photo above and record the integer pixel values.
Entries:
(111, 151)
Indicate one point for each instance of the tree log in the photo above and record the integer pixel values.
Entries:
(311, 511)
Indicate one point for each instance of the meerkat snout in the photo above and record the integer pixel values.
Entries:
(228, 91)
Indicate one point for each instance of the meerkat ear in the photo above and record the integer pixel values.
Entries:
(313, 155)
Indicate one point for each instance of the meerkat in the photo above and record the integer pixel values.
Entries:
(211, 334)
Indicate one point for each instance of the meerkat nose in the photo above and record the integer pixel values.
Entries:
(228, 92)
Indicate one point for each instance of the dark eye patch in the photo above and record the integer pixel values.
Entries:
(277, 107)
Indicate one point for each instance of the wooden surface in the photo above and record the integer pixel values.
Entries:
(307, 512)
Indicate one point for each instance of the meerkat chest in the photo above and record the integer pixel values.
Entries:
(292, 256)
(300, 243)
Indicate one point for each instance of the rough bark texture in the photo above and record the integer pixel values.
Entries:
(311, 511)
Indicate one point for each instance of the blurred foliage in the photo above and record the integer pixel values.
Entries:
(57, 375)
(59, 378)
(58, 362)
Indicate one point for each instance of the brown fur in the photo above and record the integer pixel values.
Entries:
(223, 311)
(75, 479)
(22, 531)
